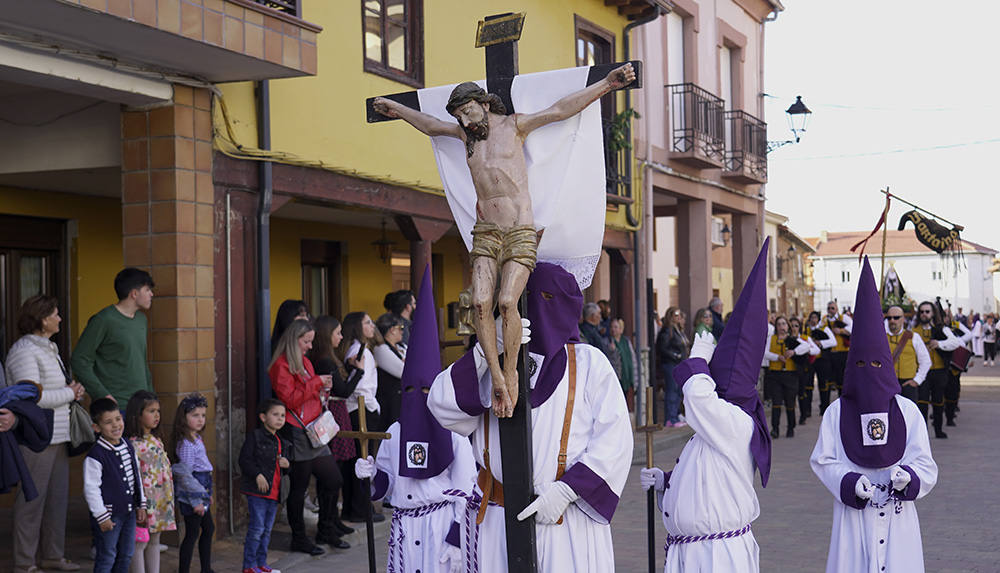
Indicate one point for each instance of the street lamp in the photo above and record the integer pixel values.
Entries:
(383, 246)
(798, 118)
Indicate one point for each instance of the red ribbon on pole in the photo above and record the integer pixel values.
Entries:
(881, 221)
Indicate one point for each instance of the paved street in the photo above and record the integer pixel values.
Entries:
(959, 519)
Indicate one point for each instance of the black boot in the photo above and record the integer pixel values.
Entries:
(304, 545)
(332, 540)
(775, 422)
(790, 433)
(341, 528)
(939, 433)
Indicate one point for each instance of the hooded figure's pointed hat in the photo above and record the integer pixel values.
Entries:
(425, 448)
(872, 428)
(736, 361)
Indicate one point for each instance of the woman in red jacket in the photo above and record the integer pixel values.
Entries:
(304, 392)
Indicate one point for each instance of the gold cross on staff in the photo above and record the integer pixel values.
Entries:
(362, 434)
(649, 429)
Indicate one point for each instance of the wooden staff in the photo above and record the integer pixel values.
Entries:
(363, 436)
(649, 429)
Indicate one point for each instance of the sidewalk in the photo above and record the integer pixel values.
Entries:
(980, 375)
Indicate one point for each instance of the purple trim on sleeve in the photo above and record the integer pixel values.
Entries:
(847, 495)
(912, 489)
(685, 370)
(592, 489)
(466, 384)
(380, 484)
(454, 536)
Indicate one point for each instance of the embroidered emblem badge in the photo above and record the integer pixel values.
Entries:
(532, 366)
(416, 455)
(875, 428)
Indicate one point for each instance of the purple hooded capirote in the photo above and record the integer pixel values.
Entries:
(425, 448)
(554, 307)
(736, 361)
(872, 428)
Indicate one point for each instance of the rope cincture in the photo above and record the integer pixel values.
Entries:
(682, 539)
(397, 535)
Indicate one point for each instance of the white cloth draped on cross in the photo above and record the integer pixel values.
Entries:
(565, 162)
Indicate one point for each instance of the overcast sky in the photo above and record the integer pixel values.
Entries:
(904, 94)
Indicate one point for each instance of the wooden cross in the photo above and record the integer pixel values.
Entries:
(499, 35)
(364, 436)
(649, 429)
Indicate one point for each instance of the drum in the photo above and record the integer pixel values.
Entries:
(960, 358)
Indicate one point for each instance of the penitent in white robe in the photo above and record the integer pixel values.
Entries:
(599, 455)
(417, 542)
(875, 539)
(710, 490)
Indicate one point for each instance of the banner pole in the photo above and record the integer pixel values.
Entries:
(919, 208)
(885, 232)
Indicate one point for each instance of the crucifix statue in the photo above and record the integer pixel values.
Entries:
(505, 240)
(519, 156)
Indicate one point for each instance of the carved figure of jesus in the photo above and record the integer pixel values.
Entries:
(504, 236)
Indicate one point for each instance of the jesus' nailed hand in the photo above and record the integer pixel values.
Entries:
(504, 237)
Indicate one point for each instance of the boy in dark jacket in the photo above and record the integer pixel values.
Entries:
(263, 461)
(112, 486)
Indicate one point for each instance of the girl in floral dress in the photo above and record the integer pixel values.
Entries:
(142, 427)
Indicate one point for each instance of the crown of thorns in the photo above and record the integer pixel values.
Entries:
(469, 91)
(192, 401)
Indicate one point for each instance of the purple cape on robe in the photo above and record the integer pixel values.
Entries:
(425, 448)
(872, 428)
(736, 360)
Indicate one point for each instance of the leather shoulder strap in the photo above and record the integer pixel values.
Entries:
(568, 419)
(904, 339)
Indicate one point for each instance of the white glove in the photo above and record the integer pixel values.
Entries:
(900, 478)
(549, 506)
(651, 477)
(704, 346)
(863, 489)
(365, 468)
(453, 556)
(525, 331)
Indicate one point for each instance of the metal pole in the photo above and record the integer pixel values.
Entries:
(229, 360)
(263, 242)
(918, 208)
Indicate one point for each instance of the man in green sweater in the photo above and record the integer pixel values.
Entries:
(110, 357)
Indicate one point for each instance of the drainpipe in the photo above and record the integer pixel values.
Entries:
(263, 242)
(229, 355)
(638, 286)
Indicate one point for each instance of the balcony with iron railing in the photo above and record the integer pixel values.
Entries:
(746, 148)
(616, 156)
(697, 126)
(290, 7)
(221, 41)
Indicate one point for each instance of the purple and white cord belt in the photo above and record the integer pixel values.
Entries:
(681, 539)
(397, 536)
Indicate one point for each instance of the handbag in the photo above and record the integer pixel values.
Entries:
(80, 429)
(321, 430)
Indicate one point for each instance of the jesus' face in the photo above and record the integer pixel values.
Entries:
(474, 118)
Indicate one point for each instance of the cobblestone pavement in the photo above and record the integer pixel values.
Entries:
(959, 518)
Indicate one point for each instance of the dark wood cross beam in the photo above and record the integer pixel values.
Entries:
(500, 42)
(364, 436)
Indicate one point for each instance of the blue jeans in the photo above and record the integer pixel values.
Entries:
(262, 512)
(671, 394)
(115, 547)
